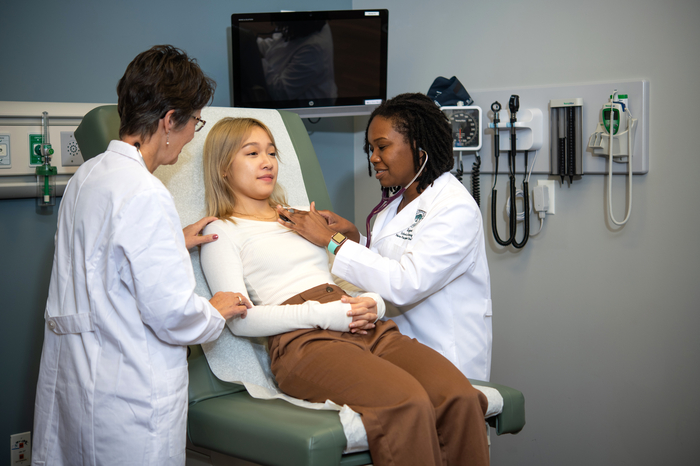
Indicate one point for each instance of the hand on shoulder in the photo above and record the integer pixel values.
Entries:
(193, 233)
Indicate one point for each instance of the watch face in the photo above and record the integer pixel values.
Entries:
(338, 237)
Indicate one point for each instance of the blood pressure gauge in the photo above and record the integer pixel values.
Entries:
(466, 127)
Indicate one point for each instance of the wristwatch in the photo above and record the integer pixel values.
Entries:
(335, 242)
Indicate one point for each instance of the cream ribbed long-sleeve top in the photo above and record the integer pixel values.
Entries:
(270, 264)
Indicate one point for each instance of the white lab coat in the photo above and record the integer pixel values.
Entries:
(429, 261)
(121, 307)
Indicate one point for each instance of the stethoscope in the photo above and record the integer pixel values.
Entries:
(513, 105)
(386, 199)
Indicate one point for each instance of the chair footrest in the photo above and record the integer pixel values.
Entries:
(512, 419)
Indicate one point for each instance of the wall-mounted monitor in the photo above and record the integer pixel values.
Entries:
(315, 63)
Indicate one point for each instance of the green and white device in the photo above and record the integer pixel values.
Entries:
(466, 127)
(617, 112)
(45, 173)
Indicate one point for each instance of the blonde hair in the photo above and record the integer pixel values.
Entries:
(224, 140)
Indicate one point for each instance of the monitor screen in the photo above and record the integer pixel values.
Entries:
(310, 61)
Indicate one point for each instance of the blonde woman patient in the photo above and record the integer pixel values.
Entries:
(416, 406)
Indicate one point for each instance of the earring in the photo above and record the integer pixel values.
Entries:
(167, 139)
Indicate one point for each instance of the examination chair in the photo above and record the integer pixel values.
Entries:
(224, 419)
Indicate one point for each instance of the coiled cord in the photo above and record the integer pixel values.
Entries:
(475, 181)
(460, 167)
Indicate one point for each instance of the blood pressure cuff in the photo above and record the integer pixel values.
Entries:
(445, 92)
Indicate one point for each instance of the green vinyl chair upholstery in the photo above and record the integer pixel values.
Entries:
(223, 417)
(99, 126)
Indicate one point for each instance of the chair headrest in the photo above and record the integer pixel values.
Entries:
(99, 126)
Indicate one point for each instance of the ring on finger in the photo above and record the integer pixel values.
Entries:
(291, 211)
(240, 301)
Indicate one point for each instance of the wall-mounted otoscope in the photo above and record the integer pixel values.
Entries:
(496, 108)
(513, 107)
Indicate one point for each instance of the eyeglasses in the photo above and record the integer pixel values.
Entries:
(200, 123)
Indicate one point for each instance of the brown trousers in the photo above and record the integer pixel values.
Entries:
(416, 406)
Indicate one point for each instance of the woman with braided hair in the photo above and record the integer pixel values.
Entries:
(426, 254)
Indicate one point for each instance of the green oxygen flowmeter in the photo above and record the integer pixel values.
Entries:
(45, 173)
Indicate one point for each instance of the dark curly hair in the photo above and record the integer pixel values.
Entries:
(158, 80)
(424, 126)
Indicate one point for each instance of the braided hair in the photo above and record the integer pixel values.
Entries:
(423, 126)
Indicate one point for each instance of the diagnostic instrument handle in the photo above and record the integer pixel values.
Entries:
(514, 106)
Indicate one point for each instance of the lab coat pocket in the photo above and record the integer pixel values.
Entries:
(172, 422)
(393, 247)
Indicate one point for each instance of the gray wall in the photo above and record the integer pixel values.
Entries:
(333, 143)
(76, 52)
(596, 325)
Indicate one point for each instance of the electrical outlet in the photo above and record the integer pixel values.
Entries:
(550, 188)
(21, 449)
(70, 152)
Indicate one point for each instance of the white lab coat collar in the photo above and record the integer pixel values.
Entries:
(383, 228)
(127, 150)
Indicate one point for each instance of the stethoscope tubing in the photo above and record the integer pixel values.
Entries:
(386, 199)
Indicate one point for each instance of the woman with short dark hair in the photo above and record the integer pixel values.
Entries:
(156, 81)
(121, 308)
